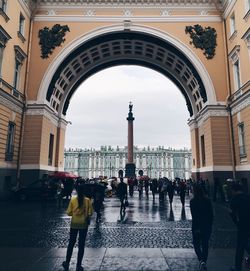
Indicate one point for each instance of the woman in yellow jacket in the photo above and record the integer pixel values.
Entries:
(80, 208)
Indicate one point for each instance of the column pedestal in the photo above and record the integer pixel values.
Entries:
(130, 170)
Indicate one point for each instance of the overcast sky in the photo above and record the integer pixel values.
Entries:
(99, 108)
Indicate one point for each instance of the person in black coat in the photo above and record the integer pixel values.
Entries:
(170, 190)
(122, 193)
(202, 221)
(240, 213)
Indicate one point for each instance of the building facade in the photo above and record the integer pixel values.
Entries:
(107, 161)
(38, 78)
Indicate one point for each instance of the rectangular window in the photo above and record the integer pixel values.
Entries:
(21, 24)
(237, 81)
(242, 146)
(232, 24)
(16, 74)
(51, 146)
(1, 58)
(10, 142)
(203, 151)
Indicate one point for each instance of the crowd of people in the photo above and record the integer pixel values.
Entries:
(200, 205)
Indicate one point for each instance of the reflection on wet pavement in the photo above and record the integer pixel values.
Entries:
(146, 223)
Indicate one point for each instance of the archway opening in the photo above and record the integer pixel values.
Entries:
(98, 113)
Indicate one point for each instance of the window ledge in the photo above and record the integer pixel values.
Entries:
(247, 15)
(2, 12)
(20, 36)
(243, 157)
(233, 35)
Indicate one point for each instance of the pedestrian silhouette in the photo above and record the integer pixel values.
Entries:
(240, 213)
(202, 220)
(80, 208)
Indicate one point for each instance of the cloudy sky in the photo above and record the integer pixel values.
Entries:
(99, 108)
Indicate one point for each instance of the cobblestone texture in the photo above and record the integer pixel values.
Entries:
(147, 224)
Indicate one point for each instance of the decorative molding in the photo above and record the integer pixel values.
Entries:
(21, 37)
(207, 3)
(127, 24)
(127, 13)
(4, 36)
(10, 102)
(118, 19)
(46, 111)
(247, 15)
(165, 13)
(19, 54)
(228, 6)
(242, 102)
(234, 54)
(89, 13)
(212, 168)
(204, 12)
(233, 35)
(51, 12)
(51, 38)
(26, 7)
(246, 37)
(203, 38)
(5, 16)
(211, 111)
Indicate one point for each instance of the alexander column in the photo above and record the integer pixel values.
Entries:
(130, 166)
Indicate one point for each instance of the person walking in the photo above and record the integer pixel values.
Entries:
(170, 190)
(80, 208)
(122, 193)
(182, 192)
(146, 185)
(140, 188)
(131, 187)
(240, 213)
(202, 220)
(98, 203)
(153, 187)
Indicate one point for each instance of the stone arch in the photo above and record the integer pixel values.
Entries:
(112, 46)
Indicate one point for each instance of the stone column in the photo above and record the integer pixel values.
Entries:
(130, 166)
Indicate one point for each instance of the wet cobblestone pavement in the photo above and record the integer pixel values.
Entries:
(146, 224)
(34, 237)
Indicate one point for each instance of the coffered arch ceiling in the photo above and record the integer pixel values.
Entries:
(125, 48)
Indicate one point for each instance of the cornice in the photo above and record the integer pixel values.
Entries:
(228, 6)
(242, 102)
(206, 113)
(26, 7)
(118, 19)
(10, 102)
(46, 111)
(123, 3)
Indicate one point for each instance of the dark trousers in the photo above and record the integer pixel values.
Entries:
(123, 207)
(200, 242)
(242, 245)
(182, 196)
(81, 244)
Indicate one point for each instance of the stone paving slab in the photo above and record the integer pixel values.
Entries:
(114, 259)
